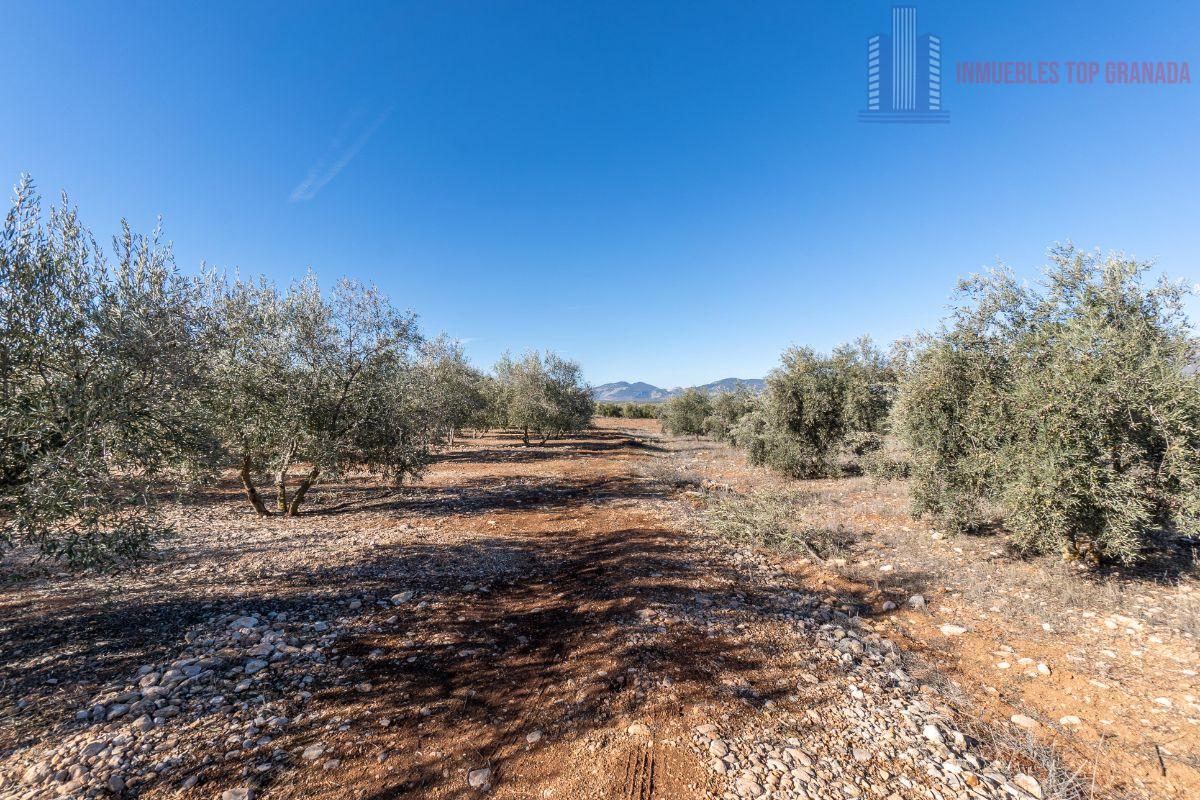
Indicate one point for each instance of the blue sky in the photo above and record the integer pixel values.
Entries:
(669, 192)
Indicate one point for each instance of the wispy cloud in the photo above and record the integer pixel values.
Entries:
(338, 155)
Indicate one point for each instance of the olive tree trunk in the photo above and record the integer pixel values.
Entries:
(302, 490)
(252, 493)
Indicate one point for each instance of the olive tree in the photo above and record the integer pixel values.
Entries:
(543, 394)
(456, 394)
(1069, 411)
(99, 385)
(813, 405)
(728, 408)
(686, 413)
(325, 383)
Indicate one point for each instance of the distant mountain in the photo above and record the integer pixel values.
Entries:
(640, 392)
(623, 391)
(729, 384)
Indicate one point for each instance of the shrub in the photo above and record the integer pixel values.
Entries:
(543, 395)
(627, 410)
(639, 411)
(812, 404)
(771, 519)
(1070, 411)
(685, 414)
(885, 463)
(100, 377)
(728, 408)
(608, 410)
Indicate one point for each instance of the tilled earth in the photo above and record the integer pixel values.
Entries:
(525, 623)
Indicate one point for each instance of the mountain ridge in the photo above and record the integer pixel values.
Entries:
(642, 392)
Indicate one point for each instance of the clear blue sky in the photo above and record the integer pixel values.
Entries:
(669, 192)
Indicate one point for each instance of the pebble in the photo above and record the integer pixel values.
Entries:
(1028, 784)
(480, 778)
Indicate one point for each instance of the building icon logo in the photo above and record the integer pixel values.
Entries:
(904, 74)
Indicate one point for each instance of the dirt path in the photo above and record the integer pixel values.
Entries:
(527, 622)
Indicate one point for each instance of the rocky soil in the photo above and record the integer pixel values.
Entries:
(530, 622)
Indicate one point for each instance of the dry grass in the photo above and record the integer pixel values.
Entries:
(772, 519)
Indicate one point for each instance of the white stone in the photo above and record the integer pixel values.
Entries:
(480, 778)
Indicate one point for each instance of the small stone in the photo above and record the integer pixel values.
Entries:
(718, 748)
(1165, 702)
(240, 793)
(313, 752)
(638, 729)
(1022, 721)
(255, 665)
(1043, 669)
(480, 778)
(244, 622)
(952, 630)
(916, 601)
(332, 763)
(35, 774)
(116, 784)
(748, 787)
(931, 733)
(1028, 783)
(1071, 721)
(533, 737)
(402, 598)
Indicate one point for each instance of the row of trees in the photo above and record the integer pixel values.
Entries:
(813, 409)
(121, 379)
(627, 410)
(1066, 413)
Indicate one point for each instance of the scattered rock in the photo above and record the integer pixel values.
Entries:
(1027, 784)
(480, 778)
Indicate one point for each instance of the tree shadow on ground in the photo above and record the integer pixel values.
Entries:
(509, 636)
(562, 631)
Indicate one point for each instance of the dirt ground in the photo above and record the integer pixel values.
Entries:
(1107, 665)
(553, 606)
